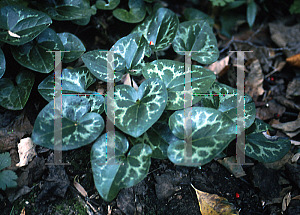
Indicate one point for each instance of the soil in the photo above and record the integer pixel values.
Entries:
(167, 188)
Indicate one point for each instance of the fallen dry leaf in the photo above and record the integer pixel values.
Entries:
(296, 197)
(296, 157)
(26, 149)
(293, 88)
(286, 201)
(289, 128)
(294, 60)
(220, 67)
(212, 204)
(254, 81)
(236, 170)
(80, 189)
(23, 211)
(130, 82)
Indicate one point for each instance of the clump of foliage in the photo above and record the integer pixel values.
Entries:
(149, 121)
(295, 7)
(7, 177)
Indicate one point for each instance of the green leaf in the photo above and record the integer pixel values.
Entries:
(224, 99)
(135, 112)
(4, 3)
(66, 9)
(7, 179)
(107, 4)
(125, 172)
(212, 131)
(266, 150)
(15, 97)
(159, 29)
(129, 51)
(79, 127)
(21, 25)
(73, 81)
(136, 13)
(251, 13)
(196, 36)
(96, 61)
(221, 3)
(5, 160)
(295, 7)
(157, 137)
(172, 73)
(96, 101)
(72, 44)
(192, 14)
(258, 126)
(35, 55)
(2, 63)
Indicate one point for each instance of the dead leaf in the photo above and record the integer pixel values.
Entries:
(288, 127)
(286, 201)
(23, 211)
(294, 60)
(296, 143)
(220, 67)
(236, 169)
(254, 81)
(26, 149)
(296, 197)
(80, 189)
(293, 88)
(212, 204)
(296, 157)
(127, 81)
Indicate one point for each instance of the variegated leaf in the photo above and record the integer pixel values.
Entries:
(266, 150)
(258, 126)
(107, 4)
(2, 63)
(196, 36)
(136, 13)
(96, 61)
(15, 97)
(96, 101)
(73, 81)
(72, 44)
(135, 112)
(157, 137)
(159, 29)
(22, 21)
(34, 55)
(212, 131)
(224, 99)
(79, 127)
(66, 9)
(129, 51)
(127, 171)
(172, 73)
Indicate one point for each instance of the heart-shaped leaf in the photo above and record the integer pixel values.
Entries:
(157, 137)
(107, 4)
(73, 81)
(136, 13)
(196, 36)
(266, 150)
(21, 24)
(72, 44)
(172, 73)
(66, 9)
(129, 51)
(79, 127)
(224, 99)
(2, 63)
(135, 112)
(192, 14)
(212, 131)
(96, 61)
(159, 29)
(35, 54)
(125, 172)
(258, 126)
(15, 97)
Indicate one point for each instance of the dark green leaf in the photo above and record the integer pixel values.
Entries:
(35, 55)
(264, 149)
(258, 126)
(212, 131)
(251, 13)
(196, 36)
(96, 61)
(2, 63)
(125, 172)
(7, 179)
(136, 13)
(15, 97)
(192, 14)
(73, 81)
(107, 4)
(79, 127)
(5, 160)
(4, 3)
(172, 73)
(159, 29)
(21, 24)
(135, 112)
(72, 44)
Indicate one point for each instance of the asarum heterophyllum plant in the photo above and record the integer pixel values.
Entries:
(149, 121)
